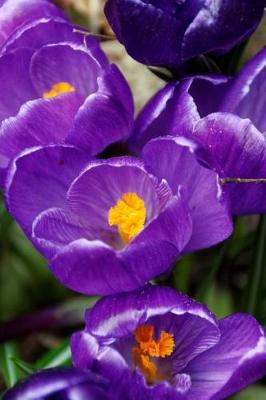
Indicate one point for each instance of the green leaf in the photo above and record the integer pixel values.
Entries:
(255, 392)
(61, 356)
(8, 367)
(26, 368)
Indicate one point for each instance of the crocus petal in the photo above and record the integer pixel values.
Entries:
(40, 32)
(87, 353)
(16, 85)
(106, 116)
(39, 122)
(64, 62)
(39, 179)
(246, 95)
(15, 13)
(92, 267)
(171, 111)
(103, 183)
(57, 382)
(52, 229)
(174, 160)
(119, 315)
(236, 149)
(220, 26)
(237, 360)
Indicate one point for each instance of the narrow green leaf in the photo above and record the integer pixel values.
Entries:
(257, 269)
(26, 368)
(61, 356)
(8, 367)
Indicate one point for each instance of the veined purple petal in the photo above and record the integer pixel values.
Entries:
(40, 32)
(16, 85)
(106, 116)
(39, 179)
(236, 361)
(236, 149)
(64, 62)
(15, 13)
(246, 94)
(174, 159)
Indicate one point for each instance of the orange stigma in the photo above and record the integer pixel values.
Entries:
(58, 88)
(129, 214)
(148, 348)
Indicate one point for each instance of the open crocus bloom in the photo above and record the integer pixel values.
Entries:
(112, 225)
(171, 32)
(170, 346)
(59, 88)
(60, 383)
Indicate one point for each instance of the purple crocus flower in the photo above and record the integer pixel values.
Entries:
(61, 383)
(170, 33)
(213, 111)
(59, 88)
(171, 346)
(16, 13)
(112, 225)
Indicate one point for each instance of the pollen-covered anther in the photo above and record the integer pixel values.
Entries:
(129, 214)
(149, 348)
(57, 89)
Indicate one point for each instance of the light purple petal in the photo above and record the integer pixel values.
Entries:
(16, 85)
(246, 94)
(106, 116)
(39, 122)
(15, 13)
(118, 316)
(39, 179)
(174, 160)
(236, 361)
(64, 62)
(235, 149)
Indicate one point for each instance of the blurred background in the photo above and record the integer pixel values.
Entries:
(37, 314)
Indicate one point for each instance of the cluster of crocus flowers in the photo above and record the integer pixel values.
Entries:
(108, 226)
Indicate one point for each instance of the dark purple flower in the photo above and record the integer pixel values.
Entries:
(16, 13)
(59, 88)
(61, 384)
(112, 225)
(211, 110)
(171, 32)
(170, 345)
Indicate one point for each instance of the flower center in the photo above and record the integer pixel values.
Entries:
(58, 88)
(129, 214)
(149, 348)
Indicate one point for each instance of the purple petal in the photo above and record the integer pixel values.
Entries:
(236, 361)
(16, 85)
(39, 122)
(246, 94)
(220, 25)
(15, 13)
(64, 62)
(103, 183)
(57, 382)
(118, 316)
(174, 160)
(92, 267)
(236, 149)
(40, 32)
(106, 116)
(39, 179)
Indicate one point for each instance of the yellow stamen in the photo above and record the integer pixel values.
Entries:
(58, 88)
(148, 348)
(129, 214)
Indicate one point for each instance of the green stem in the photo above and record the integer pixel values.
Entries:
(256, 273)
